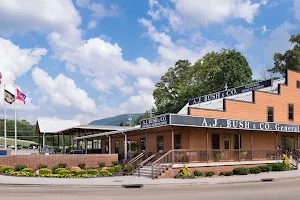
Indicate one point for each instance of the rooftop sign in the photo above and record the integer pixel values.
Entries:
(208, 122)
(231, 92)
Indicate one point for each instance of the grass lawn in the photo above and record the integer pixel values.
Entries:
(19, 142)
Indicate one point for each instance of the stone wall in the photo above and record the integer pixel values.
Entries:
(32, 161)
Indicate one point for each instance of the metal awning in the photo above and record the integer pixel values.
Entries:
(53, 125)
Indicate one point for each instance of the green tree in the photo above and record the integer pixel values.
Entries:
(290, 59)
(121, 124)
(207, 75)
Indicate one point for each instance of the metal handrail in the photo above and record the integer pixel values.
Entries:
(155, 162)
(143, 163)
(136, 158)
(161, 168)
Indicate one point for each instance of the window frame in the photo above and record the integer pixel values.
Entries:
(219, 141)
(291, 112)
(158, 146)
(298, 84)
(268, 115)
(180, 143)
(117, 149)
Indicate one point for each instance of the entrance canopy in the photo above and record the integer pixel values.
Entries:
(54, 126)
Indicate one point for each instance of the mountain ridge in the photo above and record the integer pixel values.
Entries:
(116, 120)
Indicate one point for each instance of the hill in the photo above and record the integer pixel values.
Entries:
(115, 121)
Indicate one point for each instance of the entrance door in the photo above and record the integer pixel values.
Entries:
(226, 145)
(288, 143)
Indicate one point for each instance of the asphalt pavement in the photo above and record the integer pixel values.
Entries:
(278, 190)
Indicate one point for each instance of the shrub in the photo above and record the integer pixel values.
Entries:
(101, 164)
(45, 171)
(111, 170)
(58, 170)
(19, 168)
(6, 169)
(29, 170)
(209, 174)
(222, 173)
(128, 167)
(114, 163)
(80, 172)
(228, 173)
(93, 172)
(185, 171)
(64, 172)
(41, 166)
(265, 168)
(81, 165)
(178, 175)
(219, 155)
(197, 173)
(62, 165)
(54, 168)
(118, 168)
(73, 171)
(192, 177)
(105, 173)
(255, 170)
(277, 167)
(241, 171)
(286, 162)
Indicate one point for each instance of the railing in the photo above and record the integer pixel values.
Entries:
(181, 156)
(144, 162)
(162, 163)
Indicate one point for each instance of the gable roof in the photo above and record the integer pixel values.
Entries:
(53, 125)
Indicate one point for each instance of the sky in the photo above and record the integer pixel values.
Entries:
(88, 60)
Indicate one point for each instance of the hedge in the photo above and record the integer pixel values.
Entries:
(64, 172)
(255, 170)
(111, 170)
(58, 170)
(19, 168)
(118, 168)
(29, 170)
(6, 169)
(105, 172)
(80, 172)
(45, 171)
(241, 171)
(93, 172)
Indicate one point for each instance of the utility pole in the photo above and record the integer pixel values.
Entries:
(226, 87)
(129, 119)
(150, 113)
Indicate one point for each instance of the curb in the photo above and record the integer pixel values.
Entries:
(144, 185)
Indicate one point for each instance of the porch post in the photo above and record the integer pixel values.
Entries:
(239, 131)
(85, 144)
(109, 144)
(172, 145)
(297, 141)
(125, 147)
(44, 140)
(78, 142)
(276, 145)
(58, 141)
(53, 141)
(251, 142)
(147, 142)
(207, 145)
(63, 143)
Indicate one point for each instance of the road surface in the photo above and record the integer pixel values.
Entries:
(288, 189)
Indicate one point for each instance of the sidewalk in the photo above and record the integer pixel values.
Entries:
(130, 180)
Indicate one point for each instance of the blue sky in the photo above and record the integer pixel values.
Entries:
(87, 60)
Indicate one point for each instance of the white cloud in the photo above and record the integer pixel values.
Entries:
(138, 103)
(144, 84)
(92, 24)
(63, 92)
(297, 9)
(98, 9)
(264, 29)
(242, 35)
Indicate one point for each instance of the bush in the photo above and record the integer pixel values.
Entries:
(222, 173)
(277, 167)
(93, 172)
(209, 174)
(111, 170)
(105, 172)
(73, 171)
(185, 171)
(64, 172)
(178, 175)
(6, 169)
(286, 162)
(45, 171)
(41, 166)
(128, 167)
(54, 168)
(265, 168)
(62, 165)
(101, 164)
(255, 170)
(197, 173)
(229, 173)
(29, 170)
(192, 177)
(19, 168)
(118, 168)
(81, 165)
(241, 171)
(80, 172)
(114, 163)
(58, 170)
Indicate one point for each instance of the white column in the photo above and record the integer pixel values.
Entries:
(44, 140)
(125, 147)
(109, 144)
(63, 143)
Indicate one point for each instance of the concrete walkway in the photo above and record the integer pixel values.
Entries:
(129, 180)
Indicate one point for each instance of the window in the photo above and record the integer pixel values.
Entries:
(117, 146)
(143, 144)
(106, 147)
(291, 111)
(236, 142)
(160, 144)
(215, 141)
(177, 141)
(298, 84)
(270, 114)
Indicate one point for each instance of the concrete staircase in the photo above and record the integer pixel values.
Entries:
(146, 170)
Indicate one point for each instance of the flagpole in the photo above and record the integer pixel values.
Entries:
(15, 120)
(5, 136)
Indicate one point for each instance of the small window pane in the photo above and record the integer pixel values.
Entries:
(298, 84)
(177, 141)
(270, 114)
(226, 144)
(160, 144)
(215, 141)
(291, 111)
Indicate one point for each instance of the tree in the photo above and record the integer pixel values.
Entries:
(145, 116)
(290, 59)
(207, 75)
(121, 124)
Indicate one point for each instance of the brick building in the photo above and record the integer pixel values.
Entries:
(250, 124)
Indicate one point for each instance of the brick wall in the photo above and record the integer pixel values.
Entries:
(32, 161)
(171, 173)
